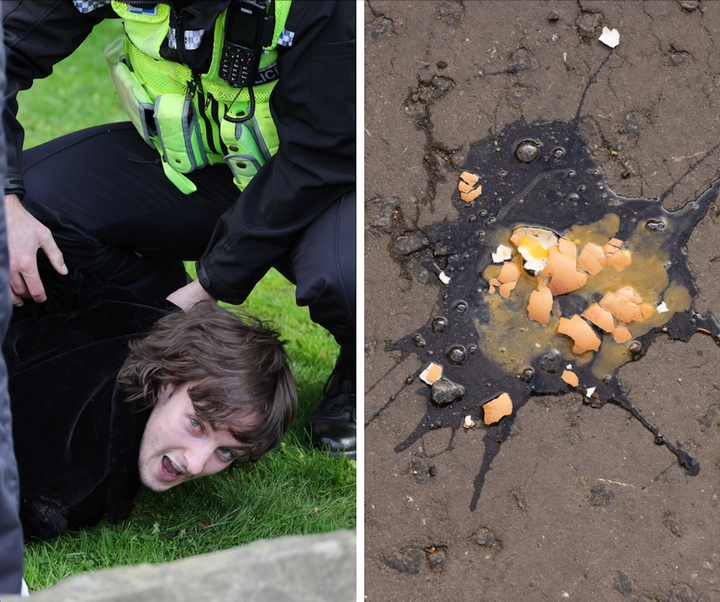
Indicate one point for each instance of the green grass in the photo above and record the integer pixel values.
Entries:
(293, 490)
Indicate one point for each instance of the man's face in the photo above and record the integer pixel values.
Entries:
(177, 445)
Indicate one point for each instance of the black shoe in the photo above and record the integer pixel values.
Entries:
(333, 426)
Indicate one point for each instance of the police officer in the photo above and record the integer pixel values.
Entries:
(239, 153)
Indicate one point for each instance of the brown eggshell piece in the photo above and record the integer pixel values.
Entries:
(509, 273)
(623, 304)
(507, 288)
(621, 335)
(472, 195)
(567, 247)
(540, 305)
(562, 268)
(468, 186)
(581, 333)
(431, 373)
(570, 378)
(617, 258)
(469, 178)
(592, 259)
(498, 408)
(602, 318)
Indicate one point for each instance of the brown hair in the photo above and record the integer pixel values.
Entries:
(243, 383)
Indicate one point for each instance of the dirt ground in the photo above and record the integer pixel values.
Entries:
(580, 504)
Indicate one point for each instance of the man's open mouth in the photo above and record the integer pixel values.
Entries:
(170, 468)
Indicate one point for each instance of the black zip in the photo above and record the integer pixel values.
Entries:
(179, 37)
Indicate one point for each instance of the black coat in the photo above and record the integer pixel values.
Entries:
(76, 440)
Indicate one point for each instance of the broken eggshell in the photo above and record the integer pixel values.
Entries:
(570, 378)
(496, 409)
(431, 373)
(581, 333)
(540, 305)
(610, 37)
(592, 259)
(562, 269)
(602, 318)
(468, 187)
(502, 253)
(617, 257)
(626, 306)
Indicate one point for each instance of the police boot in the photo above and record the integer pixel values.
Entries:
(333, 426)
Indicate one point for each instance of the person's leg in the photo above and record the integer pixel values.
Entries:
(323, 265)
(103, 194)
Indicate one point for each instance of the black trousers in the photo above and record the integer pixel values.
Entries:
(103, 194)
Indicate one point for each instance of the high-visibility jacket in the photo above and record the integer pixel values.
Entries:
(179, 110)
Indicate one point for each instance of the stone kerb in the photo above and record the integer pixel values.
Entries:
(308, 568)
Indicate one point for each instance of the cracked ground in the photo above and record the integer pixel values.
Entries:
(579, 504)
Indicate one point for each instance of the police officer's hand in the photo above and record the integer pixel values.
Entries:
(25, 236)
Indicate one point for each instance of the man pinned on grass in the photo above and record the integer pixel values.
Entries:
(200, 391)
(220, 389)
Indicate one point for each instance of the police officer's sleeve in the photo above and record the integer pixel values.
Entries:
(38, 34)
(313, 106)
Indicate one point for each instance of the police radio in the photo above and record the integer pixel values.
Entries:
(244, 24)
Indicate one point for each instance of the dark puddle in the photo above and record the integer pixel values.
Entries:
(545, 176)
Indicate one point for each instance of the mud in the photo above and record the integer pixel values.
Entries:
(560, 500)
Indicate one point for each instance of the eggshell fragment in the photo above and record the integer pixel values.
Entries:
(468, 186)
(592, 259)
(431, 373)
(602, 318)
(610, 37)
(581, 333)
(662, 308)
(570, 378)
(507, 288)
(621, 335)
(496, 409)
(501, 254)
(540, 305)
(624, 305)
(567, 247)
(617, 258)
(469, 179)
(509, 273)
(562, 269)
(468, 423)
(471, 196)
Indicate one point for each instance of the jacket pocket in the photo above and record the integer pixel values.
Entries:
(130, 91)
(179, 129)
(333, 86)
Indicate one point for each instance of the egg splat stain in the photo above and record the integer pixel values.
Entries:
(613, 276)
